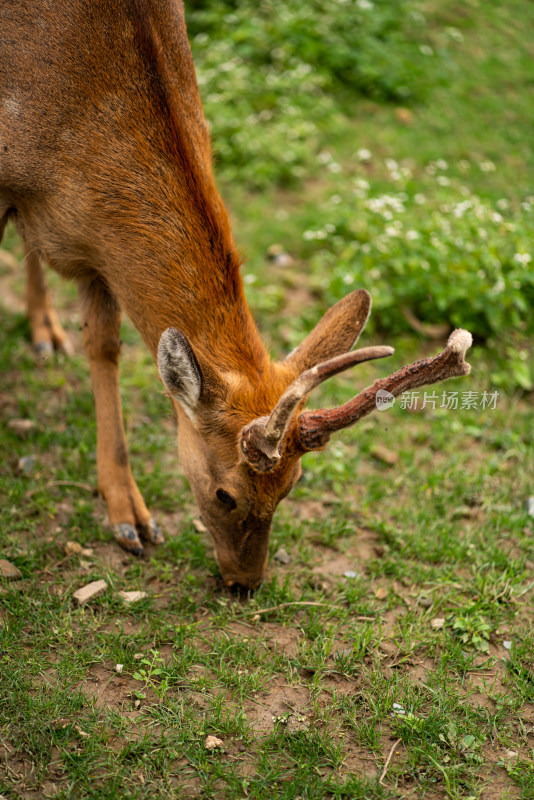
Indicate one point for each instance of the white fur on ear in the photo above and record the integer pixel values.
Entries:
(179, 369)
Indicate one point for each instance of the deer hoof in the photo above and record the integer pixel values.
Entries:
(128, 538)
(43, 349)
(151, 533)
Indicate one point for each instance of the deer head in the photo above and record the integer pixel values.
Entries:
(240, 442)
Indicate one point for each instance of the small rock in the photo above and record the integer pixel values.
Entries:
(132, 597)
(437, 623)
(199, 526)
(507, 645)
(81, 732)
(9, 571)
(278, 256)
(404, 115)
(381, 593)
(511, 754)
(213, 743)
(21, 427)
(90, 592)
(26, 464)
(137, 703)
(382, 453)
(530, 506)
(87, 552)
(119, 668)
(138, 656)
(282, 556)
(424, 601)
(350, 574)
(73, 548)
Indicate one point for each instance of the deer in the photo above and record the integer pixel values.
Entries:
(106, 171)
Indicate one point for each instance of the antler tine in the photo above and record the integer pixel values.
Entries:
(261, 439)
(316, 427)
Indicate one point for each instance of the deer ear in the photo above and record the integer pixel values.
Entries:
(179, 369)
(336, 333)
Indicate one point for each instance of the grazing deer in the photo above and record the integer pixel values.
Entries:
(105, 169)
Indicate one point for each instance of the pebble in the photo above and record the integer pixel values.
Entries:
(87, 552)
(213, 743)
(507, 645)
(381, 593)
(26, 464)
(119, 668)
(437, 623)
(138, 656)
(132, 597)
(9, 571)
(90, 592)
(73, 548)
(282, 556)
(278, 256)
(21, 427)
(382, 453)
(350, 574)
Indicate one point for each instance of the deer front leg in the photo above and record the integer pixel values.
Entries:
(47, 333)
(127, 511)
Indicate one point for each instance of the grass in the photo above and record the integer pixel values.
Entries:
(405, 615)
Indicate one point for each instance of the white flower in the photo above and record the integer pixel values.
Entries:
(443, 180)
(412, 236)
(363, 154)
(523, 259)
(487, 166)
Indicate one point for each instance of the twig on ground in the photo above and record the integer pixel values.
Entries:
(50, 484)
(84, 486)
(388, 761)
(258, 611)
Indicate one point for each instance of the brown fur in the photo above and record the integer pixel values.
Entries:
(105, 169)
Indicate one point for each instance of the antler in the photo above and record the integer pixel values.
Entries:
(316, 427)
(262, 438)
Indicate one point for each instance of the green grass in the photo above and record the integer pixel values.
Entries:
(428, 641)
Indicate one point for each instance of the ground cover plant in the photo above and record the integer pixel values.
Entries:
(392, 655)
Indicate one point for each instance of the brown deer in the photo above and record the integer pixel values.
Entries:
(105, 169)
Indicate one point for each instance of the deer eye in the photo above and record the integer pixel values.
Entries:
(226, 498)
